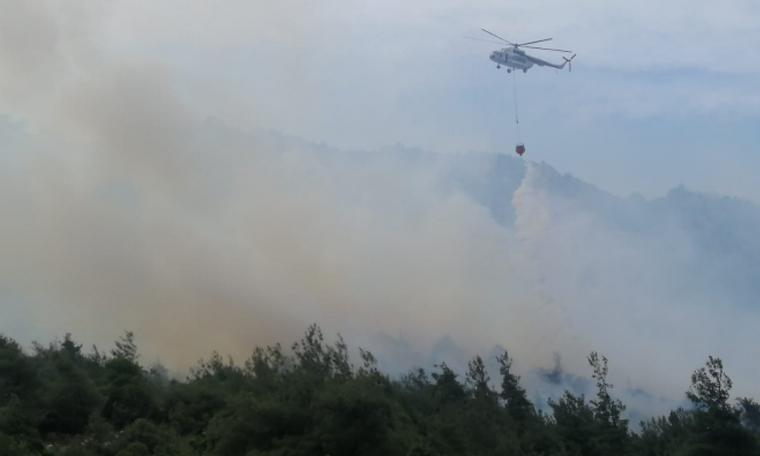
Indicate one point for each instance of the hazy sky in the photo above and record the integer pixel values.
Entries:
(122, 209)
(661, 93)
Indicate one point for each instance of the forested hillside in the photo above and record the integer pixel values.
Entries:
(311, 400)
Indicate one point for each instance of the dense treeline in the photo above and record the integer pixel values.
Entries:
(59, 400)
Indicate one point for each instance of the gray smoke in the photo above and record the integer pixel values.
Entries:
(123, 208)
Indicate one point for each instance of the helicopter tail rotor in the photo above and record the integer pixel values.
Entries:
(568, 61)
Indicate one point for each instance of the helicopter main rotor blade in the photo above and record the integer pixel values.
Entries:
(534, 42)
(508, 42)
(487, 41)
(544, 49)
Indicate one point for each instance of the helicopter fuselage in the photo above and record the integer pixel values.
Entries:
(511, 58)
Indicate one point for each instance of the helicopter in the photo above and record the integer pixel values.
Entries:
(515, 58)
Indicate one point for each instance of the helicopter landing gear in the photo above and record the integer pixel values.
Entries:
(509, 70)
(525, 70)
(498, 66)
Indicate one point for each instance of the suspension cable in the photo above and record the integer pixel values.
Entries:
(517, 120)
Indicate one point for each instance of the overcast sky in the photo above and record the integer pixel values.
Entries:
(662, 93)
